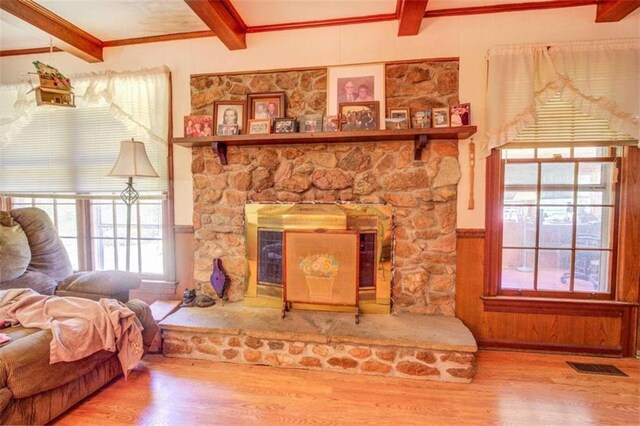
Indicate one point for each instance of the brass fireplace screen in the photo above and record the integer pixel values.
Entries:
(319, 256)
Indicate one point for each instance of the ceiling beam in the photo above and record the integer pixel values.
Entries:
(410, 15)
(67, 36)
(615, 10)
(221, 17)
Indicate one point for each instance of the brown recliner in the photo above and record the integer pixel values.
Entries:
(49, 269)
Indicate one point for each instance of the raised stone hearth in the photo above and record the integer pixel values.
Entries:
(407, 345)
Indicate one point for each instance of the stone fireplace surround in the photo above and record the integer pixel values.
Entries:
(422, 194)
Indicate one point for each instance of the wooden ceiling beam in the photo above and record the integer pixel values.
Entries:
(67, 36)
(222, 18)
(615, 10)
(410, 15)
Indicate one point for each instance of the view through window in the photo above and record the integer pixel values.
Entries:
(559, 217)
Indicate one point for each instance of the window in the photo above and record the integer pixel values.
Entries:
(102, 244)
(58, 159)
(558, 221)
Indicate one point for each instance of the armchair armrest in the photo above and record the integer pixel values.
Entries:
(99, 284)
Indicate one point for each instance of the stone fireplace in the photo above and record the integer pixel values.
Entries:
(421, 192)
(396, 210)
(422, 195)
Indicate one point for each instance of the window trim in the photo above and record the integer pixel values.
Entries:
(493, 243)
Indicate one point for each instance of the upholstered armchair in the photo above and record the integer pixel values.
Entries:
(33, 256)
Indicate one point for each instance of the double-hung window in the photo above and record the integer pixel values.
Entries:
(557, 222)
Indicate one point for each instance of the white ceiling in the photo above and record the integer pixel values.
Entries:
(112, 20)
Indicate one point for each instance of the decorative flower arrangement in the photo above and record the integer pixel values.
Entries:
(320, 265)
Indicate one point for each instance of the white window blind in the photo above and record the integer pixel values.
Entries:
(560, 123)
(71, 150)
(52, 149)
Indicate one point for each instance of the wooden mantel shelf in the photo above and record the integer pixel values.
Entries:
(419, 136)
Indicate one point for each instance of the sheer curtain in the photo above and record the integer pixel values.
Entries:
(599, 78)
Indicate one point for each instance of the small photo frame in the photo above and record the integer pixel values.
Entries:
(359, 115)
(228, 113)
(440, 117)
(259, 127)
(261, 106)
(460, 115)
(228, 130)
(421, 119)
(310, 123)
(397, 118)
(330, 123)
(198, 126)
(284, 125)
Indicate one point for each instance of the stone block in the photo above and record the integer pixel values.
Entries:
(342, 362)
(416, 369)
(375, 367)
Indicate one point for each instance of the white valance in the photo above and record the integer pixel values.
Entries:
(129, 94)
(599, 78)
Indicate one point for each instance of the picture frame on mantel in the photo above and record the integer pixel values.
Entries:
(355, 83)
(228, 113)
(266, 106)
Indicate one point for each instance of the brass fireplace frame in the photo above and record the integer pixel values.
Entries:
(363, 218)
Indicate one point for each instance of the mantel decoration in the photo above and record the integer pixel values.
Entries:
(55, 88)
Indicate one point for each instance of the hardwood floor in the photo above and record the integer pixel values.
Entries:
(509, 388)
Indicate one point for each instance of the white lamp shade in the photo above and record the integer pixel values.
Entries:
(132, 161)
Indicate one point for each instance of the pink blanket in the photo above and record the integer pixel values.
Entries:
(80, 327)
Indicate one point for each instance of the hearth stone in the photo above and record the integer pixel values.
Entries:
(406, 345)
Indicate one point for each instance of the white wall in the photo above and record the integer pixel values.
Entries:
(468, 38)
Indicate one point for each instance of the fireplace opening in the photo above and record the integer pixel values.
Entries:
(270, 276)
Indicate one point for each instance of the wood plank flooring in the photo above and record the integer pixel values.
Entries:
(510, 388)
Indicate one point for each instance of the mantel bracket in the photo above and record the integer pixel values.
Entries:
(220, 149)
(420, 142)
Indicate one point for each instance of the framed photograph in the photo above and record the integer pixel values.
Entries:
(460, 115)
(228, 113)
(228, 129)
(197, 126)
(440, 117)
(421, 119)
(259, 127)
(284, 125)
(357, 83)
(262, 106)
(397, 118)
(359, 115)
(310, 123)
(330, 123)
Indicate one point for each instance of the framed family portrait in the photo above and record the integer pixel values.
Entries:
(460, 115)
(261, 106)
(311, 123)
(356, 83)
(397, 118)
(197, 126)
(284, 125)
(261, 126)
(421, 119)
(440, 117)
(227, 114)
(359, 115)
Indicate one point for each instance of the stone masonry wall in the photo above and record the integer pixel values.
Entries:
(406, 362)
(423, 192)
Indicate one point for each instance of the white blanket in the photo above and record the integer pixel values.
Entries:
(80, 327)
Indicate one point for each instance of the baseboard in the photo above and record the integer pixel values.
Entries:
(551, 347)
